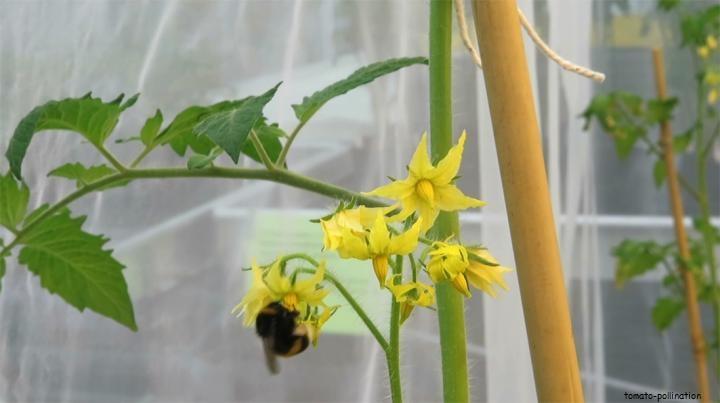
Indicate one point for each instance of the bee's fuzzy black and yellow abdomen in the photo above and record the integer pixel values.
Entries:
(281, 334)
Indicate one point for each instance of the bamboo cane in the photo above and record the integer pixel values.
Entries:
(532, 227)
(693, 310)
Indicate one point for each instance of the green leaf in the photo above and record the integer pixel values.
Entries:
(230, 128)
(82, 175)
(660, 110)
(682, 141)
(35, 214)
(74, 265)
(665, 311)
(91, 117)
(667, 5)
(200, 161)
(697, 27)
(659, 173)
(130, 102)
(179, 133)
(269, 136)
(151, 128)
(14, 198)
(310, 105)
(635, 258)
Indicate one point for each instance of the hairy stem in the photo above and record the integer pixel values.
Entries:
(393, 355)
(705, 213)
(348, 297)
(450, 303)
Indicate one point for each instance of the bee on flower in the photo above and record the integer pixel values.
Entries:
(285, 310)
(429, 189)
(465, 265)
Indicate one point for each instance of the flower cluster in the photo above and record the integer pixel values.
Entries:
(711, 75)
(368, 234)
(302, 296)
(385, 236)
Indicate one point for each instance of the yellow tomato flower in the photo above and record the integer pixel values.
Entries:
(257, 298)
(315, 323)
(711, 42)
(429, 189)
(378, 244)
(356, 220)
(294, 294)
(712, 96)
(703, 52)
(485, 272)
(461, 266)
(409, 295)
(449, 262)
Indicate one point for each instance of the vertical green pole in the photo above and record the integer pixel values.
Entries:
(450, 303)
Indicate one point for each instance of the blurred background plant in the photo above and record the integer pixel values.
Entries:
(631, 120)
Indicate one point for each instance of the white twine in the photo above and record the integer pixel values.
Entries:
(551, 54)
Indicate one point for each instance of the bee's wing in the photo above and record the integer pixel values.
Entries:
(270, 357)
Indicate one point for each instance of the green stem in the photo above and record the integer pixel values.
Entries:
(393, 354)
(264, 157)
(111, 158)
(142, 156)
(348, 297)
(450, 303)
(685, 184)
(705, 213)
(278, 176)
(284, 152)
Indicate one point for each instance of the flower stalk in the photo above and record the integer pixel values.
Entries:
(393, 354)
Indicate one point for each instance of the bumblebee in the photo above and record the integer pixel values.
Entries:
(281, 334)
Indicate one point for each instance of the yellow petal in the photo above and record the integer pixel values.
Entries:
(396, 190)
(380, 266)
(460, 284)
(450, 198)
(353, 246)
(304, 287)
(420, 164)
(409, 206)
(426, 295)
(406, 242)
(399, 291)
(483, 276)
(379, 237)
(276, 282)
(332, 234)
(449, 166)
(406, 309)
(427, 215)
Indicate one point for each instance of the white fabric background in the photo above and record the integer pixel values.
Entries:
(184, 241)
